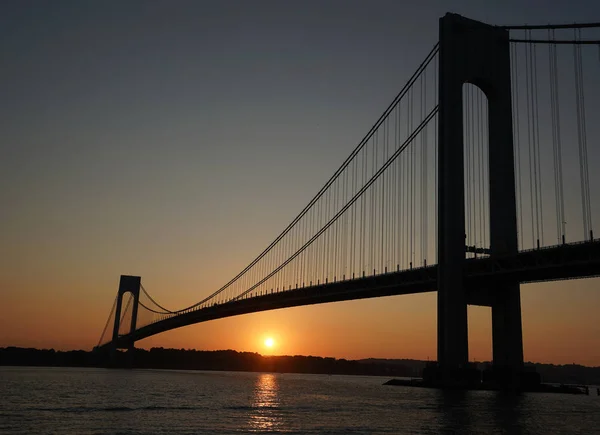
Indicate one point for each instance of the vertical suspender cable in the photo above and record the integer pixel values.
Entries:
(467, 123)
(361, 251)
(579, 140)
(396, 194)
(412, 184)
(435, 160)
(402, 199)
(486, 157)
(582, 138)
(529, 134)
(423, 172)
(382, 198)
(353, 223)
(335, 251)
(551, 48)
(538, 170)
(481, 165)
(557, 135)
(372, 192)
(517, 141)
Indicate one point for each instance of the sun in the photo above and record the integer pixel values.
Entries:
(269, 342)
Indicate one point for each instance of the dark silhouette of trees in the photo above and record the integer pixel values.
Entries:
(230, 360)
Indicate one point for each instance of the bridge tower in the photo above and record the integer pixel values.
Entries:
(479, 54)
(127, 284)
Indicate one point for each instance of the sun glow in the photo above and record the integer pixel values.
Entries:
(269, 342)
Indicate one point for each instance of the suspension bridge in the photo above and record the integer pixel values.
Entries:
(473, 181)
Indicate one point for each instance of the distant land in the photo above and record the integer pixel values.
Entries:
(231, 360)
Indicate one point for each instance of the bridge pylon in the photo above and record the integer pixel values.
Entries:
(479, 54)
(127, 284)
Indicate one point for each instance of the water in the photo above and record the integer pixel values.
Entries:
(98, 401)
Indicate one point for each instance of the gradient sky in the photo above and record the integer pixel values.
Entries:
(175, 140)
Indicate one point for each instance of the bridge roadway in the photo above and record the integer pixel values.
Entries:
(561, 262)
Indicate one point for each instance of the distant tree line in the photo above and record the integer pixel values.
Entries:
(567, 374)
(230, 360)
(181, 359)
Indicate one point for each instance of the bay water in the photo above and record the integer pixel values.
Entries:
(35, 400)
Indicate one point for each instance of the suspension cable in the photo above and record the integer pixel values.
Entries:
(108, 320)
(154, 302)
(153, 311)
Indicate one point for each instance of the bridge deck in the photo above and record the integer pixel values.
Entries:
(567, 261)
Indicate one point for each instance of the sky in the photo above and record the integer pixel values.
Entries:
(175, 140)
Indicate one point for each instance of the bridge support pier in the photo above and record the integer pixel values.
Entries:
(476, 53)
(507, 334)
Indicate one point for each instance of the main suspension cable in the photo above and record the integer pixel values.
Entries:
(154, 302)
(360, 146)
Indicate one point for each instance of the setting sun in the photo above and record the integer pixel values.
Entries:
(269, 342)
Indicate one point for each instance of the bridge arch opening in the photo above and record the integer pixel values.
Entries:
(480, 333)
(476, 96)
(476, 172)
(127, 299)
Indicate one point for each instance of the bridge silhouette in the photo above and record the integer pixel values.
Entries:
(459, 187)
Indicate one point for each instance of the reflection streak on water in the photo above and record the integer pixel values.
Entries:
(265, 413)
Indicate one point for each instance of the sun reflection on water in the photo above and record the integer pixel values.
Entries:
(266, 413)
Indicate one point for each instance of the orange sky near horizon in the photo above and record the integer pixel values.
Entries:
(555, 330)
